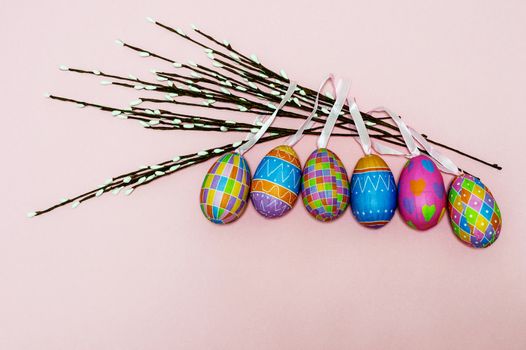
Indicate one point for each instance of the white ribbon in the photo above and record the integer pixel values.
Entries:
(342, 90)
(364, 139)
(445, 164)
(308, 123)
(363, 135)
(253, 139)
(380, 148)
(404, 130)
(409, 135)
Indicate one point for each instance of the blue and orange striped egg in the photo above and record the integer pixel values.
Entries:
(225, 189)
(276, 183)
(325, 185)
(373, 192)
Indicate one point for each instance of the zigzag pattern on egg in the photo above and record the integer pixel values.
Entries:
(286, 153)
(373, 192)
(273, 205)
(267, 169)
(385, 179)
(277, 191)
(276, 182)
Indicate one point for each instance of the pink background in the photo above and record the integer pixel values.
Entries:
(149, 272)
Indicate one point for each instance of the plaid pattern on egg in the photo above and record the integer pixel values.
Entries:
(325, 185)
(225, 189)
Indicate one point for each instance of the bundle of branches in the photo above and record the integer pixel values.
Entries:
(232, 82)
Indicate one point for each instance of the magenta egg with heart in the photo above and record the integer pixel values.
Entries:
(421, 193)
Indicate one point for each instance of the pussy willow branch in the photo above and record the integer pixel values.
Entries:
(142, 84)
(251, 106)
(194, 93)
(244, 80)
(128, 182)
(257, 66)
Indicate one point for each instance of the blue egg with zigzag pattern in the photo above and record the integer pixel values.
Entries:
(373, 192)
(276, 183)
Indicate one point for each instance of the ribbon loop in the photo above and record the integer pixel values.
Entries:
(410, 135)
(308, 123)
(363, 136)
(365, 141)
(253, 139)
(380, 148)
(445, 164)
(404, 130)
(342, 90)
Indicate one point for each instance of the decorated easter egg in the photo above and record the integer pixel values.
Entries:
(276, 183)
(225, 189)
(324, 185)
(373, 192)
(473, 212)
(421, 193)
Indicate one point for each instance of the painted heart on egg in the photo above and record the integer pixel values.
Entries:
(417, 186)
(428, 211)
(439, 189)
(421, 193)
(428, 165)
(442, 214)
(410, 224)
(409, 205)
